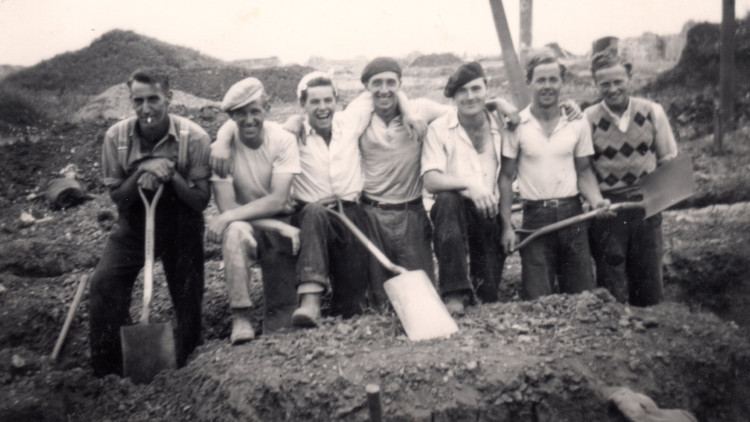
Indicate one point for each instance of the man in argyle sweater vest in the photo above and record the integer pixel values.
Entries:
(631, 138)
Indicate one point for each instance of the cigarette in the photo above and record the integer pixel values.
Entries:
(148, 120)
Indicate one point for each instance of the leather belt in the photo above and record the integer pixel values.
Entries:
(551, 203)
(391, 207)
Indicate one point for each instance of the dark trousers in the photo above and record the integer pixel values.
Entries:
(628, 252)
(563, 255)
(457, 222)
(331, 256)
(404, 236)
(179, 244)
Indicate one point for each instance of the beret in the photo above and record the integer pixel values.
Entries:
(380, 65)
(465, 73)
(242, 93)
(302, 86)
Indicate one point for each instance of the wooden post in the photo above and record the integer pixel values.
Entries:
(510, 59)
(525, 34)
(726, 73)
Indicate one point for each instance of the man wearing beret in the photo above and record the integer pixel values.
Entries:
(552, 156)
(632, 137)
(151, 149)
(461, 165)
(264, 159)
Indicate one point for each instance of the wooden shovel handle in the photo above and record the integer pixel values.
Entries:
(69, 319)
(574, 220)
(380, 256)
(148, 267)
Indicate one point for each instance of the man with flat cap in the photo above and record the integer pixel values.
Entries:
(552, 155)
(461, 165)
(254, 205)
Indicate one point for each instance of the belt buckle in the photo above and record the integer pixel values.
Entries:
(554, 203)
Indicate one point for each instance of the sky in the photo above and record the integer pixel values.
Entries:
(294, 30)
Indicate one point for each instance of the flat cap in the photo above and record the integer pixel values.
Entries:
(465, 73)
(380, 65)
(242, 93)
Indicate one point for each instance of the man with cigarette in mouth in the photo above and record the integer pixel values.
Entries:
(152, 149)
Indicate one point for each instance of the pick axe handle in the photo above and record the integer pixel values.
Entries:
(379, 255)
(69, 319)
(574, 220)
(148, 268)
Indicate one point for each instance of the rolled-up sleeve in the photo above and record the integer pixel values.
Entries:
(665, 143)
(112, 172)
(434, 155)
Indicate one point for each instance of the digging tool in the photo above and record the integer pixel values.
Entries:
(669, 184)
(69, 319)
(147, 348)
(417, 304)
(373, 402)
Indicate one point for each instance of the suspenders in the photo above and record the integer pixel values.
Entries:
(182, 154)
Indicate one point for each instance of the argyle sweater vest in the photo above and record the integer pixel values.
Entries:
(621, 159)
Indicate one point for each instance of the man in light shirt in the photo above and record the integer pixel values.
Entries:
(265, 159)
(552, 156)
(631, 138)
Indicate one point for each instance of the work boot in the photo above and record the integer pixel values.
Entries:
(455, 303)
(308, 313)
(242, 329)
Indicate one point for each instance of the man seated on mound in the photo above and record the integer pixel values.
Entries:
(264, 158)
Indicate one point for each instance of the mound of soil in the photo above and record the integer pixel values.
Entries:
(437, 60)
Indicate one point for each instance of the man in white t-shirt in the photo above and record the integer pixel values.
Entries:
(552, 156)
(264, 158)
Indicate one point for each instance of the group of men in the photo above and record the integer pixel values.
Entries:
(278, 190)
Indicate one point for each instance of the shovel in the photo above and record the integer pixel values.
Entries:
(669, 184)
(417, 304)
(147, 348)
(69, 319)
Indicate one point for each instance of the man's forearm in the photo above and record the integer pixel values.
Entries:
(125, 195)
(589, 187)
(436, 181)
(196, 197)
(267, 206)
(506, 200)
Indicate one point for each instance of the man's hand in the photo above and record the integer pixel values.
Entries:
(220, 163)
(216, 227)
(291, 233)
(294, 125)
(416, 128)
(147, 181)
(508, 239)
(572, 110)
(484, 199)
(603, 208)
(161, 168)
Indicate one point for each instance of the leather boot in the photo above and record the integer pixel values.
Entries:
(242, 329)
(308, 313)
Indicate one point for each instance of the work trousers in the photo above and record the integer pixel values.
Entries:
(243, 247)
(563, 256)
(404, 236)
(458, 223)
(628, 253)
(179, 243)
(332, 257)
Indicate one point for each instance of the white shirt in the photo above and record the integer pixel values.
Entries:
(546, 165)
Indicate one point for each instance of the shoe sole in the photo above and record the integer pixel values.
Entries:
(303, 320)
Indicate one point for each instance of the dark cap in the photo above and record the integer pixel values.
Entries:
(465, 73)
(380, 65)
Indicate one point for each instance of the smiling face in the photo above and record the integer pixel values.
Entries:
(384, 87)
(320, 106)
(546, 82)
(471, 97)
(150, 103)
(249, 121)
(614, 86)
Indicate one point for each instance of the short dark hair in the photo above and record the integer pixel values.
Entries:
(151, 77)
(319, 81)
(539, 60)
(607, 59)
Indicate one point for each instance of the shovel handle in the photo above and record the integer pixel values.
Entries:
(69, 319)
(380, 256)
(574, 220)
(148, 268)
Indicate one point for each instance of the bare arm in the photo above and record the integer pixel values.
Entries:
(507, 171)
(587, 183)
(220, 162)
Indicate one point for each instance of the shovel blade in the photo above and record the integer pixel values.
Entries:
(418, 306)
(147, 349)
(669, 184)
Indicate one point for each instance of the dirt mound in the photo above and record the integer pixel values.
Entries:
(114, 103)
(437, 60)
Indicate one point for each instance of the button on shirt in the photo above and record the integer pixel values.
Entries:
(333, 171)
(449, 150)
(254, 168)
(546, 165)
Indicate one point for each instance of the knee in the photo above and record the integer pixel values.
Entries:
(238, 234)
(448, 200)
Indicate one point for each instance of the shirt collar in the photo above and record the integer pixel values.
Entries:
(625, 114)
(171, 131)
(526, 117)
(453, 120)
